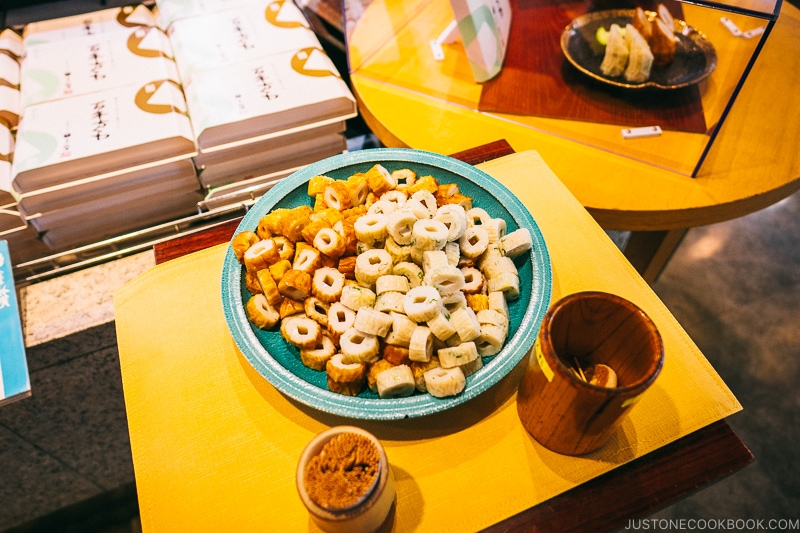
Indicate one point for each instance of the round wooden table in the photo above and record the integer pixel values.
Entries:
(752, 164)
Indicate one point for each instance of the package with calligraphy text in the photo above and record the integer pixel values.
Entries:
(270, 96)
(101, 134)
(80, 66)
(262, 28)
(169, 11)
(105, 22)
(8, 197)
(10, 219)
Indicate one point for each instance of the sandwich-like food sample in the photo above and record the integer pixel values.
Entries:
(633, 50)
(616, 56)
(640, 58)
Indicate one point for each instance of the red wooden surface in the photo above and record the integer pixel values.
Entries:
(545, 84)
(638, 488)
(633, 490)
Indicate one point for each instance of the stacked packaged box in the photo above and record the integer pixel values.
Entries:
(98, 23)
(10, 54)
(22, 239)
(10, 219)
(104, 141)
(128, 117)
(263, 96)
(75, 154)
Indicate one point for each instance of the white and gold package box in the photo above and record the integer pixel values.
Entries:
(268, 96)
(8, 197)
(169, 11)
(9, 83)
(11, 44)
(10, 218)
(90, 64)
(9, 71)
(9, 105)
(117, 130)
(103, 22)
(262, 28)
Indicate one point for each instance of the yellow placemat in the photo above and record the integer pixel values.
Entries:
(215, 446)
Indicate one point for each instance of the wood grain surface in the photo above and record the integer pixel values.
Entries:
(638, 488)
(555, 403)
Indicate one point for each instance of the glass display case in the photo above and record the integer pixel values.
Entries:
(547, 82)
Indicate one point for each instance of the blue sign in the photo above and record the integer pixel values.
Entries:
(14, 380)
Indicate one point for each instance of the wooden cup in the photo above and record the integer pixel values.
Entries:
(560, 410)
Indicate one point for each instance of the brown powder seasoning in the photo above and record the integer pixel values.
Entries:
(344, 472)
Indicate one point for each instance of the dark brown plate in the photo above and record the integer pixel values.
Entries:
(695, 57)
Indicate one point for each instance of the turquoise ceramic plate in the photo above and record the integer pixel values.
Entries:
(279, 362)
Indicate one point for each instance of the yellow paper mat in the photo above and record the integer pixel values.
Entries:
(215, 446)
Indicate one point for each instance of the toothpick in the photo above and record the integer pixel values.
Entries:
(580, 370)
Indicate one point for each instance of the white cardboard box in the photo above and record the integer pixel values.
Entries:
(266, 97)
(103, 22)
(11, 43)
(168, 11)
(247, 161)
(81, 66)
(8, 197)
(9, 82)
(114, 131)
(9, 105)
(180, 175)
(263, 28)
(9, 71)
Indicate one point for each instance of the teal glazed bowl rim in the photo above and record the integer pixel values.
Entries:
(279, 363)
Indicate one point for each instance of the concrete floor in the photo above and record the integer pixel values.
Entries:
(735, 288)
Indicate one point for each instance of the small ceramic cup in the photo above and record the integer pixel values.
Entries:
(371, 511)
(562, 411)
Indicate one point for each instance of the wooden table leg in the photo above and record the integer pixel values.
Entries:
(649, 251)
